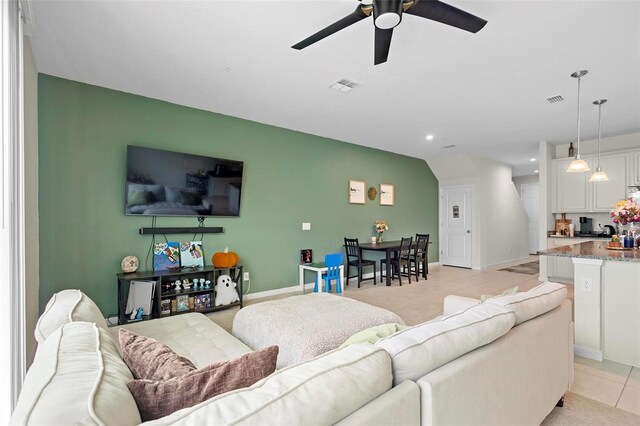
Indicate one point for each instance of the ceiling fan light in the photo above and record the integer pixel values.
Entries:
(386, 21)
(598, 176)
(578, 165)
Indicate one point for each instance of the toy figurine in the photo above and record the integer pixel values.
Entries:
(208, 284)
(177, 285)
(186, 284)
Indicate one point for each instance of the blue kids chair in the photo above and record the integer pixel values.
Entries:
(333, 262)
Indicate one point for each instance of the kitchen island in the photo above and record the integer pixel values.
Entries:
(606, 300)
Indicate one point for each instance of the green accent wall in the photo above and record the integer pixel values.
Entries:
(289, 178)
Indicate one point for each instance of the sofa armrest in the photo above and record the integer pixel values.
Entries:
(453, 304)
(398, 406)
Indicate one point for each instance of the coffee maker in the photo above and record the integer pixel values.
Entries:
(586, 225)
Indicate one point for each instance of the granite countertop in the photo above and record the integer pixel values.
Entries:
(593, 250)
(591, 237)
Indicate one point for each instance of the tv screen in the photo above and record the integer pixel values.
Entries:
(165, 183)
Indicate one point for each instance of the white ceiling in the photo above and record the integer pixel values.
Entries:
(483, 92)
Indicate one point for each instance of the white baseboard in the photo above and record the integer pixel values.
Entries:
(588, 353)
(505, 263)
(277, 291)
(307, 286)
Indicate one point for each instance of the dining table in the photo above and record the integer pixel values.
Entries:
(390, 247)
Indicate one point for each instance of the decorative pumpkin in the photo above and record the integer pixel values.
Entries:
(226, 259)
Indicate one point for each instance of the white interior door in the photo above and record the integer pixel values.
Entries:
(456, 214)
(530, 200)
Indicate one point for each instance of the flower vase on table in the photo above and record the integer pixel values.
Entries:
(380, 226)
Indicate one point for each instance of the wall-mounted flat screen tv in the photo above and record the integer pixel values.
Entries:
(165, 183)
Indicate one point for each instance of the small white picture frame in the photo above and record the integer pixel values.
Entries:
(386, 194)
(357, 191)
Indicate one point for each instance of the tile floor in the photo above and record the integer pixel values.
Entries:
(608, 382)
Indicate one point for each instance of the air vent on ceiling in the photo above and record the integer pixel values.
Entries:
(554, 99)
(343, 85)
(448, 146)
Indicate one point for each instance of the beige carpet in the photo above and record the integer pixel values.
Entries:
(578, 411)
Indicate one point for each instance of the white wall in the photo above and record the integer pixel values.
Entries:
(32, 269)
(518, 181)
(545, 218)
(500, 222)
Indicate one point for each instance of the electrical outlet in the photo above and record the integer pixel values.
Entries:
(245, 276)
(306, 226)
(586, 284)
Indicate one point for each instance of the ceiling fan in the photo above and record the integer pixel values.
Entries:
(387, 14)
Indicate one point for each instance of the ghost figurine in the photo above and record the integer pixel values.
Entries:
(225, 291)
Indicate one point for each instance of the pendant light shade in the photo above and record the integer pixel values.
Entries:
(599, 175)
(578, 165)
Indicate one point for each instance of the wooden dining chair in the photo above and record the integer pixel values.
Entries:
(419, 256)
(355, 260)
(400, 262)
(426, 252)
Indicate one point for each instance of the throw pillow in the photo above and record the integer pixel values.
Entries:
(157, 399)
(191, 198)
(149, 359)
(373, 334)
(507, 292)
(139, 198)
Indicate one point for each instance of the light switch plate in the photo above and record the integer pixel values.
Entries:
(306, 226)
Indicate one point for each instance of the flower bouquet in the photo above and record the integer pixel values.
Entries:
(626, 211)
(380, 226)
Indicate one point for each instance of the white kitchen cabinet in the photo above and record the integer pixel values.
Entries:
(561, 268)
(635, 175)
(570, 191)
(606, 194)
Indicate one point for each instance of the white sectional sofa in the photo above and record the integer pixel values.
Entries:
(507, 361)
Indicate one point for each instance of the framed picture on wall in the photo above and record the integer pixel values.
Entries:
(386, 194)
(357, 191)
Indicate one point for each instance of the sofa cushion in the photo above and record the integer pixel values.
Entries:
(77, 377)
(530, 304)
(156, 190)
(507, 292)
(157, 399)
(64, 307)
(151, 360)
(292, 396)
(418, 350)
(193, 336)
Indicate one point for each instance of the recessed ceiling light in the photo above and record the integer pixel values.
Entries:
(533, 159)
(535, 171)
(429, 137)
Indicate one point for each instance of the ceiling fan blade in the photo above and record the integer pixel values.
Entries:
(383, 42)
(355, 16)
(446, 14)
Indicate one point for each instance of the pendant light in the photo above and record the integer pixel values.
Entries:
(578, 165)
(599, 175)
